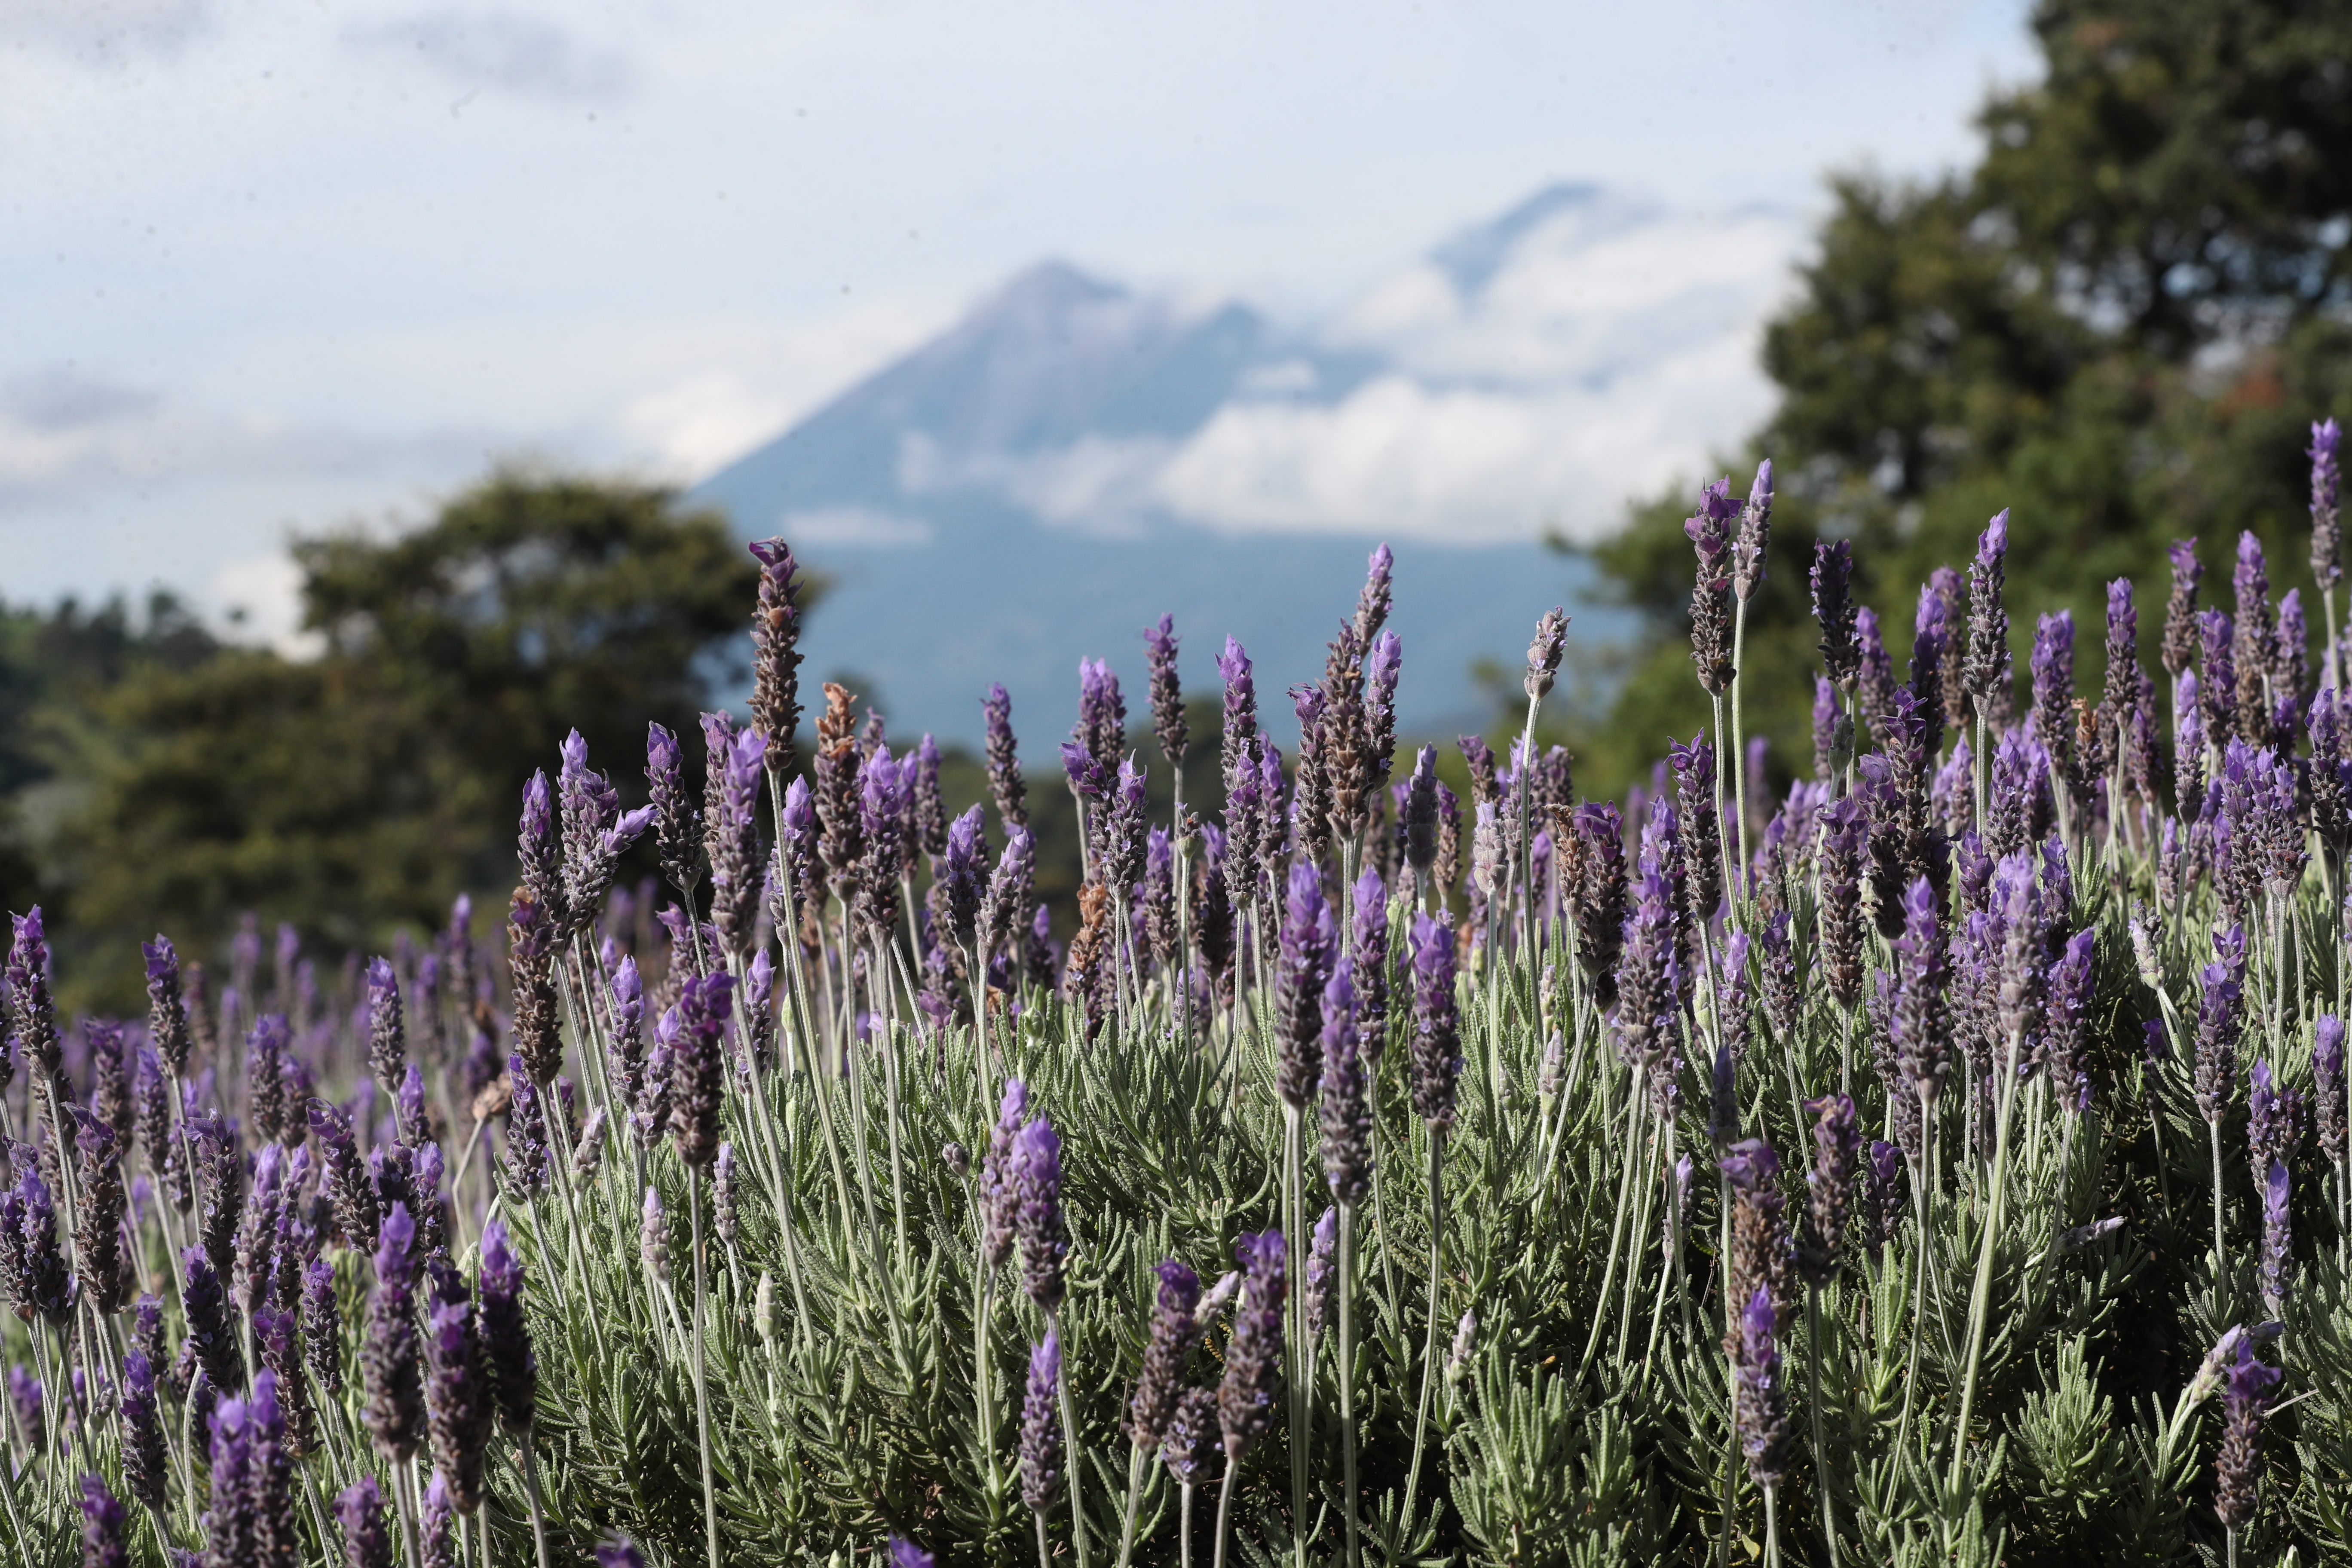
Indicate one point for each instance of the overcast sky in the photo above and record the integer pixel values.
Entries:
(265, 267)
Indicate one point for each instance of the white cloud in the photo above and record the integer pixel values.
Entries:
(260, 597)
(694, 425)
(105, 32)
(507, 51)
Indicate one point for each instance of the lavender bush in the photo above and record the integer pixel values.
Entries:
(1945, 1163)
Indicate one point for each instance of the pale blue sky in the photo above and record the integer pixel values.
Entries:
(274, 265)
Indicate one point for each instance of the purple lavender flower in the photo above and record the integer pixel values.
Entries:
(1834, 609)
(678, 820)
(2328, 1084)
(1709, 530)
(1763, 1400)
(1372, 603)
(1844, 834)
(2251, 651)
(1253, 1353)
(1037, 1218)
(733, 845)
(32, 1010)
(2278, 1238)
(2246, 1400)
(653, 1235)
(1761, 1255)
(1102, 711)
(146, 1471)
(1308, 938)
(360, 1508)
(1920, 1026)
(457, 1406)
(1004, 779)
(103, 1523)
(389, 1355)
(1874, 670)
(322, 1325)
(1837, 1149)
(40, 1283)
(1168, 723)
(27, 1404)
(1322, 1281)
(2327, 527)
(775, 653)
(1546, 651)
(1174, 1332)
(2066, 1022)
(211, 1332)
(2218, 1021)
(698, 1068)
(1985, 671)
(1346, 1112)
(233, 1530)
(437, 1527)
(1436, 1057)
(1192, 1439)
(999, 1176)
(2217, 675)
(1240, 712)
(1041, 1432)
(1694, 766)
(904, 1554)
(2180, 632)
(2053, 673)
(1755, 535)
(1825, 728)
(167, 1012)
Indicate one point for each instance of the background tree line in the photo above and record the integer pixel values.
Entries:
(2119, 324)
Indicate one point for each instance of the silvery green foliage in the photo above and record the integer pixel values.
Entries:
(2043, 1259)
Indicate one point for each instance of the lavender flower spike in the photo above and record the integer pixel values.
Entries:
(1984, 672)
(1173, 1333)
(103, 1523)
(1168, 724)
(1755, 535)
(2327, 524)
(1037, 1220)
(1834, 609)
(1763, 1400)
(1254, 1354)
(1436, 1022)
(1041, 1432)
(1546, 651)
(2246, 1400)
(360, 1508)
(1308, 937)
(2180, 609)
(389, 1356)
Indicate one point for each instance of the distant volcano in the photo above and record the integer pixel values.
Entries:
(1074, 458)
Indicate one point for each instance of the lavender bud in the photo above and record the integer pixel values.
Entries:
(1763, 1400)
(1546, 651)
(1372, 603)
(1709, 532)
(698, 1069)
(145, 1471)
(366, 1542)
(1174, 1331)
(2327, 1083)
(1436, 1057)
(775, 653)
(1834, 609)
(2327, 527)
(1041, 1432)
(2246, 1400)
(1307, 940)
(32, 1010)
(1038, 1193)
(389, 1355)
(1253, 1353)
(2218, 1023)
(1755, 535)
(437, 1527)
(1192, 1441)
(1837, 1148)
(1322, 1274)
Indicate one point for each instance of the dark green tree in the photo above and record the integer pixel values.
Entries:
(2119, 324)
(364, 787)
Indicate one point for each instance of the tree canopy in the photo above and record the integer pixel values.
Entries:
(359, 789)
(2119, 324)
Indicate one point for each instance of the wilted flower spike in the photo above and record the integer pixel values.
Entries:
(1545, 652)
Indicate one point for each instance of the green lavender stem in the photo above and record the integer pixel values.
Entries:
(701, 1385)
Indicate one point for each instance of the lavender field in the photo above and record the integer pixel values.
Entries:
(1942, 1162)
